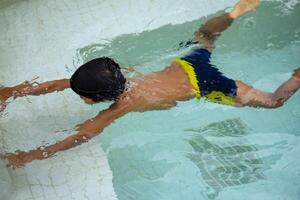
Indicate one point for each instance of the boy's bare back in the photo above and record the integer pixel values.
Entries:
(157, 91)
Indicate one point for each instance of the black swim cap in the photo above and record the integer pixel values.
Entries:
(99, 79)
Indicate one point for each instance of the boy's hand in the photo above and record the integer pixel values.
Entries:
(5, 93)
(15, 160)
(20, 158)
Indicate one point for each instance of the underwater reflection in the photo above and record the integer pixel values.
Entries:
(224, 156)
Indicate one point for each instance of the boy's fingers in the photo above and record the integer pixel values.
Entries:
(15, 163)
(5, 156)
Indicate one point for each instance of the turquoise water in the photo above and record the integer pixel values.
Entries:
(197, 150)
(200, 150)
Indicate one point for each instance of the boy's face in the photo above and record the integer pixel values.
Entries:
(87, 100)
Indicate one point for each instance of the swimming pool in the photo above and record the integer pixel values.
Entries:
(197, 150)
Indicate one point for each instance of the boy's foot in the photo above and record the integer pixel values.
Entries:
(297, 74)
(243, 7)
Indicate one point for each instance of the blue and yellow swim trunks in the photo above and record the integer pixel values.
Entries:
(207, 80)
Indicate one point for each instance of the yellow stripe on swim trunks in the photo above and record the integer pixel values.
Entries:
(189, 70)
(220, 97)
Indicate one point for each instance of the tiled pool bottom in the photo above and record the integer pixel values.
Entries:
(5, 181)
(79, 175)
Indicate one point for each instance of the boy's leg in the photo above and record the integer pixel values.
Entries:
(208, 33)
(248, 96)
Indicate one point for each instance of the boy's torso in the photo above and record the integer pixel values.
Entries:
(158, 91)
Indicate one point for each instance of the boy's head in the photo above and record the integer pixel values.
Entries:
(98, 80)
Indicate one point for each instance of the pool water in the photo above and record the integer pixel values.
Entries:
(197, 150)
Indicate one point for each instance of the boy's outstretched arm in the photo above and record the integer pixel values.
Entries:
(33, 88)
(86, 131)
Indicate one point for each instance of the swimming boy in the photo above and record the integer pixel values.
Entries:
(186, 78)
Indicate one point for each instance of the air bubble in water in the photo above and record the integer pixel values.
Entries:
(42, 148)
(45, 154)
(35, 85)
